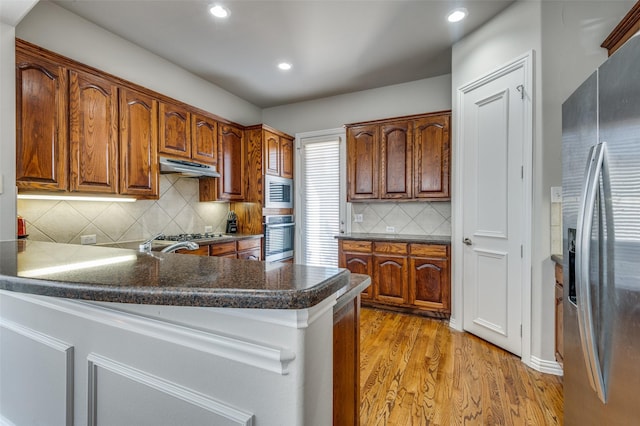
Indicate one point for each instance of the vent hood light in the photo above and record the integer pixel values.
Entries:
(74, 198)
(219, 11)
(457, 15)
(284, 66)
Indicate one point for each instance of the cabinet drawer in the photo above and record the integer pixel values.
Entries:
(391, 248)
(249, 254)
(248, 244)
(429, 250)
(200, 251)
(222, 248)
(363, 246)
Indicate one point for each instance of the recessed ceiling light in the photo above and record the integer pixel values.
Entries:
(457, 15)
(284, 66)
(219, 11)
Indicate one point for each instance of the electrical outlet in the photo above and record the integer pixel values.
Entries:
(357, 218)
(88, 239)
(556, 194)
(391, 229)
(208, 228)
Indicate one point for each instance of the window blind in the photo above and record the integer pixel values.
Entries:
(321, 202)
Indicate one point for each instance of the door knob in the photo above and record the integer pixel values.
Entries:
(467, 241)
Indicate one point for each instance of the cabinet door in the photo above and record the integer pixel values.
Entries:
(93, 133)
(175, 130)
(271, 153)
(396, 160)
(363, 147)
(249, 254)
(138, 144)
(231, 163)
(41, 124)
(200, 251)
(429, 285)
(391, 279)
(286, 158)
(204, 133)
(359, 263)
(431, 157)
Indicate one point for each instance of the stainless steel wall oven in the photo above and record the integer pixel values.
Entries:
(279, 234)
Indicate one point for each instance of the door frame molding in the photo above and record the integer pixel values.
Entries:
(319, 136)
(526, 62)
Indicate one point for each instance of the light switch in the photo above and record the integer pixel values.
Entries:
(357, 218)
(556, 194)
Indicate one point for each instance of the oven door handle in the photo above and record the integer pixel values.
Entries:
(279, 225)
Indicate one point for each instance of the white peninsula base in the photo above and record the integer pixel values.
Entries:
(68, 362)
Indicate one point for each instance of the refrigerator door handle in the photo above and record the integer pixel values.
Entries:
(597, 159)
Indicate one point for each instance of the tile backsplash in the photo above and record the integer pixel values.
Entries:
(177, 211)
(418, 218)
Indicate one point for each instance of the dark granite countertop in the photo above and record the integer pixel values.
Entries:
(160, 244)
(127, 276)
(428, 239)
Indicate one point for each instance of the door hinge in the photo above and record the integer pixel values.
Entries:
(521, 250)
(520, 330)
(520, 89)
(521, 172)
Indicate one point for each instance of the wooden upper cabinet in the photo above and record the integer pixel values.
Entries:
(399, 159)
(363, 148)
(286, 157)
(41, 124)
(231, 163)
(204, 134)
(138, 144)
(395, 159)
(93, 133)
(625, 29)
(431, 157)
(271, 153)
(175, 130)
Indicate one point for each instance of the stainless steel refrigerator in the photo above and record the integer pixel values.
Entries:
(601, 250)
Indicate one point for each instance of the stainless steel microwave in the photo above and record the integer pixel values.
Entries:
(278, 192)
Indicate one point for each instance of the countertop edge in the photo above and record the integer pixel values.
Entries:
(402, 238)
(199, 297)
(357, 284)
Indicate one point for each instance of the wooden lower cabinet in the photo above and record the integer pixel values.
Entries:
(391, 279)
(559, 316)
(248, 249)
(412, 277)
(346, 364)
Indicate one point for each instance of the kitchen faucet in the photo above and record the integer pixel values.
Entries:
(189, 245)
(146, 246)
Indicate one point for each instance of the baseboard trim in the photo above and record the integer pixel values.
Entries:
(545, 366)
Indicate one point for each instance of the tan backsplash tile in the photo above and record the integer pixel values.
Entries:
(177, 211)
(414, 217)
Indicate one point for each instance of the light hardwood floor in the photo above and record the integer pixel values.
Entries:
(417, 371)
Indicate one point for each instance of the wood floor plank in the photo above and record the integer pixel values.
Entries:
(417, 371)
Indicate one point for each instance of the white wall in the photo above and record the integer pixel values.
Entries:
(7, 133)
(565, 37)
(427, 95)
(54, 28)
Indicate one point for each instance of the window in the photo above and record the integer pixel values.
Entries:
(321, 200)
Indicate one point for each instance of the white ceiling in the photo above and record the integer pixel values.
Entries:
(335, 46)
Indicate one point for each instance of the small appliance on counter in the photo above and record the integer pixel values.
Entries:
(232, 223)
(22, 228)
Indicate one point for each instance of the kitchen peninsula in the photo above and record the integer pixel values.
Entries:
(101, 335)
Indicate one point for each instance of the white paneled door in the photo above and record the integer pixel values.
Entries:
(494, 130)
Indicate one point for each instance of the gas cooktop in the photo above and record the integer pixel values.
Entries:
(190, 237)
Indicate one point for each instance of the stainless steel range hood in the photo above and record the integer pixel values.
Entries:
(187, 168)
